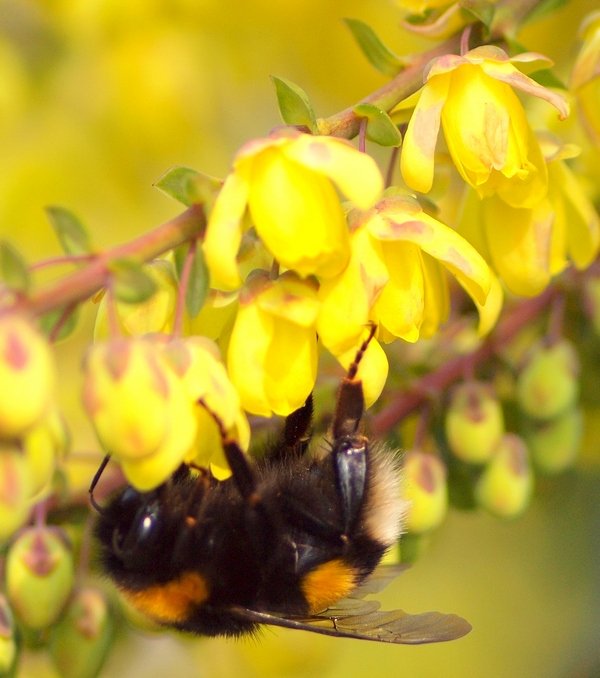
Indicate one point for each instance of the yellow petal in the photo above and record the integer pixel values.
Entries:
(224, 232)
(400, 218)
(418, 148)
(400, 306)
(298, 215)
(291, 298)
(437, 297)
(291, 367)
(347, 299)
(519, 242)
(247, 355)
(356, 174)
(372, 370)
(490, 311)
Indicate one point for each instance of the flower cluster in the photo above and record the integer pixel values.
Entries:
(526, 213)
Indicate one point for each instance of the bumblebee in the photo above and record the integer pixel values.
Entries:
(291, 539)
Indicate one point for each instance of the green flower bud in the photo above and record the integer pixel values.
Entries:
(554, 444)
(506, 484)
(27, 375)
(81, 641)
(39, 575)
(154, 315)
(8, 643)
(15, 491)
(474, 422)
(424, 487)
(548, 385)
(42, 445)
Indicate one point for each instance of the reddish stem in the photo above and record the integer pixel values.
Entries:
(184, 282)
(81, 284)
(57, 261)
(454, 369)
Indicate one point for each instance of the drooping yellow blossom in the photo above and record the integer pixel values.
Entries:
(140, 409)
(527, 246)
(286, 184)
(585, 80)
(197, 362)
(485, 127)
(272, 355)
(395, 276)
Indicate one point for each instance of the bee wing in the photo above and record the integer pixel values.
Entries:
(393, 626)
(379, 579)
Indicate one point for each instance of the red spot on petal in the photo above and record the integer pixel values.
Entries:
(39, 559)
(426, 476)
(9, 483)
(116, 358)
(320, 152)
(90, 399)
(159, 379)
(456, 259)
(15, 352)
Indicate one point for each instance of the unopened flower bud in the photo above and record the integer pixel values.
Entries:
(15, 490)
(27, 375)
(42, 445)
(81, 640)
(548, 385)
(474, 423)
(39, 575)
(425, 489)
(8, 644)
(506, 484)
(126, 389)
(554, 444)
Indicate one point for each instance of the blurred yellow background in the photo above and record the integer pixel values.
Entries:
(97, 99)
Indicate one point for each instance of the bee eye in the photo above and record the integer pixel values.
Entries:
(142, 533)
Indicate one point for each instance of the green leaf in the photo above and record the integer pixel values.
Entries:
(480, 9)
(294, 105)
(548, 78)
(380, 127)
(379, 56)
(199, 280)
(542, 9)
(71, 233)
(14, 272)
(49, 320)
(132, 284)
(189, 186)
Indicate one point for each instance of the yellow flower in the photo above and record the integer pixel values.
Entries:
(395, 277)
(527, 246)
(272, 356)
(484, 124)
(584, 78)
(197, 362)
(140, 409)
(286, 184)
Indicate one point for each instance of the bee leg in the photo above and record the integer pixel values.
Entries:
(349, 450)
(243, 474)
(350, 404)
(296, 433)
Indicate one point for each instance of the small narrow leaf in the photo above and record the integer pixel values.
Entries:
(379, 56)
(543, 9)
(132, 284)
(199, 280)
(482, 10)
(189, 186)
(49, 321)
(294, 105)
(13, 269)
(380, 127)
(71, 233)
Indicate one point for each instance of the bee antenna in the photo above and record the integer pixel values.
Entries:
(95, 481)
